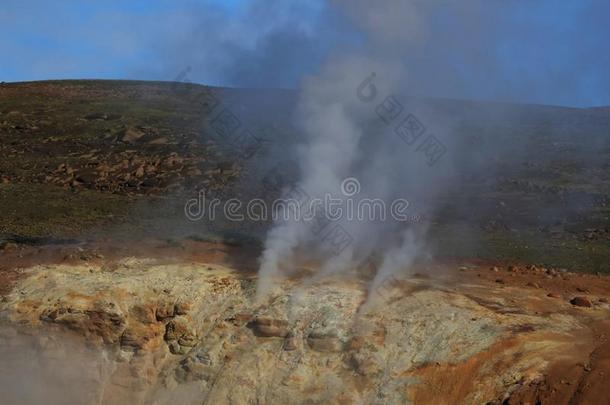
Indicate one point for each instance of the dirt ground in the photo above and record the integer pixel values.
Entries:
(570, 364)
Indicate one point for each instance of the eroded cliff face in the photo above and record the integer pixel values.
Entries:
(145, 330)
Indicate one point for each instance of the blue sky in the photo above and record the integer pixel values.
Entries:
(545, 51)
(90, 39)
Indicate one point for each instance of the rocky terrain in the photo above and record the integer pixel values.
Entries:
(92, 150)
(100, 150)
(88, 158)
(168, 324)
(109, 295)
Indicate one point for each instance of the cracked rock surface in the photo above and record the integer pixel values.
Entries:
(145, 331)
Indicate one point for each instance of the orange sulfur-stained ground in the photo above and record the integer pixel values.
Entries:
(179, 321)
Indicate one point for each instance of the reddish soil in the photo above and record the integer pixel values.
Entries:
(579, 377)
(14, 257)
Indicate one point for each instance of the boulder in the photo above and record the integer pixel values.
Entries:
(141, 336)
(164, 311)
(180, 330)
(87, 177)
(580, 302)
(131, 135)
(182, 308)
(291, 343)
(143, 313)
(322, 342)
(101, 321)
(269, 327)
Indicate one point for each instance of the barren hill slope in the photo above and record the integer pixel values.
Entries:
(108, 294)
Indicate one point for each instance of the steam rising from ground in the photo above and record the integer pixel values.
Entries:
(49, 368)
(337, 113)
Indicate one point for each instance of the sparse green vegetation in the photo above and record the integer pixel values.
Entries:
(119, 157)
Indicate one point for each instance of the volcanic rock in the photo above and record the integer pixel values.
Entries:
(131, 135)
(87, 177)
(291, 343)
(182, 308)
(140, 336)
(143, 313)
(103, 322)
(269, 327)
(164, 311)
(428, 336)
(580, 302)
(179, 329)
(322, 342)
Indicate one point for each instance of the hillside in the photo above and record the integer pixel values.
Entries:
(109, 294)
(84, 159)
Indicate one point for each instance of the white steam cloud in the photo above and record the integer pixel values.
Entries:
(340, 111)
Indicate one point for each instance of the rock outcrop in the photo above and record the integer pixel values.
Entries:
(192, 333)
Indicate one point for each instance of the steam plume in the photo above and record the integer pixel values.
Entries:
(340, 124)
